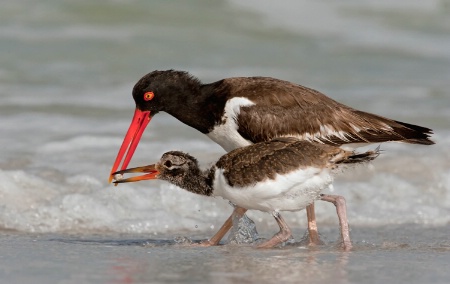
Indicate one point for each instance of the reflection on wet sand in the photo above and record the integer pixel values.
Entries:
(234, 264)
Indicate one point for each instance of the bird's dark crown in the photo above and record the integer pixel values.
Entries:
(176, 163)
(164, 85)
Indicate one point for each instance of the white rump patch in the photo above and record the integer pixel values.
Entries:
(327, 131)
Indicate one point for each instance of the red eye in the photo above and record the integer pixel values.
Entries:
(148, 96)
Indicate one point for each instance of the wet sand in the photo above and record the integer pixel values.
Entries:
(388, 254)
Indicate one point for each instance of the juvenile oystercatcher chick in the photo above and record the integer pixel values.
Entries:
(285, 174)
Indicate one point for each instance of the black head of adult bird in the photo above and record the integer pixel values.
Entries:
(285, 174)
(237, 112)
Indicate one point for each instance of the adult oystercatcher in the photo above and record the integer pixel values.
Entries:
(285, 174)
(237, 112)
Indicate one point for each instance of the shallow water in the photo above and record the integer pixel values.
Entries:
(404, 254)
(66, 73)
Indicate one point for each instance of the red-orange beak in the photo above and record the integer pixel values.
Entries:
(131, 140)
(151, 171)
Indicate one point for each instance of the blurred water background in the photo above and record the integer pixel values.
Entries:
(67, 69)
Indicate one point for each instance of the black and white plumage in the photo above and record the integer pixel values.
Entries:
(237, 112)
(285, 174)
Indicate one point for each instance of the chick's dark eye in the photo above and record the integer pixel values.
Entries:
(168, 164)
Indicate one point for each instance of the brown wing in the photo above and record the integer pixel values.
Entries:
(257, 162)
(284, 109)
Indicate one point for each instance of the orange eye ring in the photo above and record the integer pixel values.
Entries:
(148, 96)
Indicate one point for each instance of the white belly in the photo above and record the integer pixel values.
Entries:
(291, 192)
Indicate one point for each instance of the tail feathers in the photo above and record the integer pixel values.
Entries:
(399, 131)
(356, 158)
(415, 134)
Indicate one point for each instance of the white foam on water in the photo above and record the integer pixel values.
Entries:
(402, 186)
(84, 204)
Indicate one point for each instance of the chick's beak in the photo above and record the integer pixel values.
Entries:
(152, 173)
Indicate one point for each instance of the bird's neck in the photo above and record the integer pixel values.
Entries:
(197, 182)
(201, 108)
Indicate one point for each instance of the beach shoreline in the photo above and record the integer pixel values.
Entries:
(408, 253)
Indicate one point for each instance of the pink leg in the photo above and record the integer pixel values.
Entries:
(283, 235)
(312, 226)
(341, 210)
(214, 240)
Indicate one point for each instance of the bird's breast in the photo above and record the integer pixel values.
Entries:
(225, 132)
